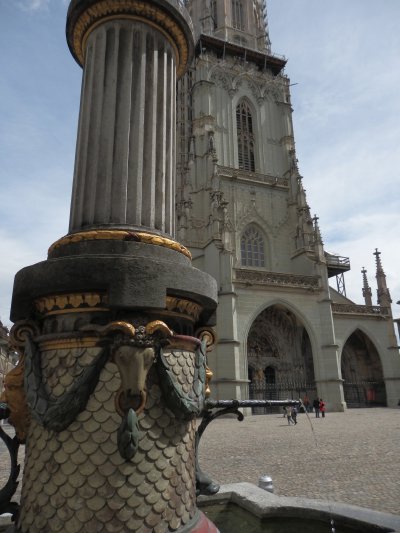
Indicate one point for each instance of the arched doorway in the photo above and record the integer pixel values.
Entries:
(362, 373)
(280, 357)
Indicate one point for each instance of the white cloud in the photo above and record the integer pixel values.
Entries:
(33, 5)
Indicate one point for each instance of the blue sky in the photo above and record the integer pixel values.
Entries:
(343, 62)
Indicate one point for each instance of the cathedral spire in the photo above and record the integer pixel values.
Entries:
(366, 291)
(384, 299)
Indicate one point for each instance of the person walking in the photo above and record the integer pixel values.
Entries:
(306, 403)
(289, 411)
(294, 414)
(316, 407)
(322, 407)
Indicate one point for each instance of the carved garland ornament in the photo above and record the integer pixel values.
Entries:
(121, 235)
(129, 9)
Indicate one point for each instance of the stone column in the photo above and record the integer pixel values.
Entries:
(112, 371)
(125, 158)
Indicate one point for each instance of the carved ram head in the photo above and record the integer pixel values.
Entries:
(133, 351)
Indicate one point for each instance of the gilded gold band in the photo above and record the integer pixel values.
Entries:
(71, 303)
(68, 344)
(121, 235)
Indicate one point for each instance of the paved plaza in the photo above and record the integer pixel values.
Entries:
(350, 457)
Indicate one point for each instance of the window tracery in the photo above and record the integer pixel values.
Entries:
(252, 248)
(237, 15)
(245, 136)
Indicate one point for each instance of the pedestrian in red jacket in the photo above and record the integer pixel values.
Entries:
(322, 407)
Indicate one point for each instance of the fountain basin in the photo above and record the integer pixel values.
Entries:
(242, 507)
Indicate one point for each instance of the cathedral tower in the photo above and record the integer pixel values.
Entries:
(243, 212)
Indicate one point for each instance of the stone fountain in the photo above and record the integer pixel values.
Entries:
(112, 328)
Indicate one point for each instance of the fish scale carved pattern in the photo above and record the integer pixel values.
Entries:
(76, 480)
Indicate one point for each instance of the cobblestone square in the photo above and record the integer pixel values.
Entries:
(350, 457)
(347, 457)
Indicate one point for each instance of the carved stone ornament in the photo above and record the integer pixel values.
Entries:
(14, 396)
(241, 175)
(209, 338)
(223, 80)
(184, 307)
(134, 350)
(207, 335)
(14, 391)
(354, 309)
(145, 460)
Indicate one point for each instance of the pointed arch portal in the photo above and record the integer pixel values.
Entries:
(279, 357)
(362, 373)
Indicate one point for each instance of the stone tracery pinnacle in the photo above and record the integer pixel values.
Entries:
(366, 291)
(383, 293)
(318, 237)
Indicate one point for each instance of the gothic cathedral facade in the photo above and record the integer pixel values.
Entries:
(282, 330)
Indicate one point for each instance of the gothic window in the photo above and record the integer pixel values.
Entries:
(252, 248)
(214, 13)
(237, 15)
(245, 136)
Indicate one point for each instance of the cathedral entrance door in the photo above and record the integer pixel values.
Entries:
(279, 358)
(362, 373)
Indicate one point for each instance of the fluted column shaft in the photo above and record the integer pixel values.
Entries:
(125, 158)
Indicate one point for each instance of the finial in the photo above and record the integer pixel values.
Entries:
(383, 293)
(378, 261)
(317, 230)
